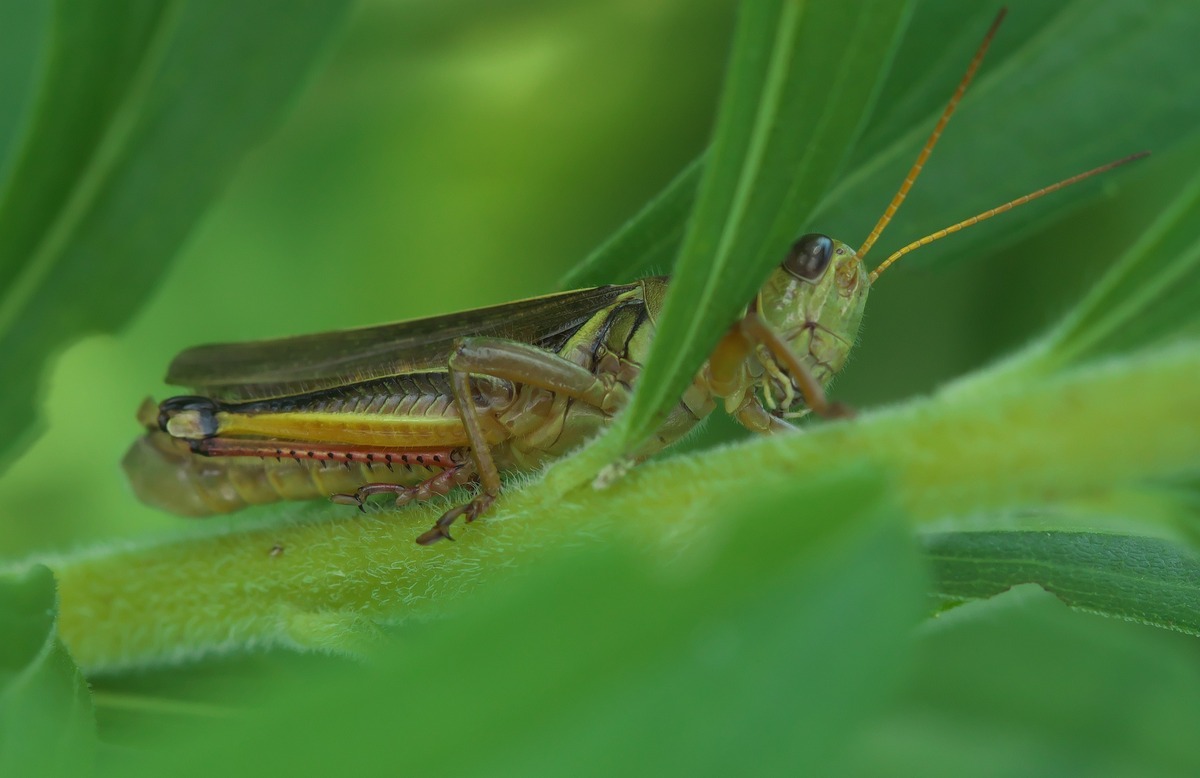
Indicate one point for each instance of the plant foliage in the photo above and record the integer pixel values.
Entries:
(997, 576)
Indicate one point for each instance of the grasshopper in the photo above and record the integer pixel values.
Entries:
(416, 408)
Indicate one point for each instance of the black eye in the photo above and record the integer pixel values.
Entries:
(809, 257)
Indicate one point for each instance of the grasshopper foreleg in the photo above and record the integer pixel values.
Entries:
(758, 331)
(754, 417)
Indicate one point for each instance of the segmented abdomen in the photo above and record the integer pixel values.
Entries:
(166, 474)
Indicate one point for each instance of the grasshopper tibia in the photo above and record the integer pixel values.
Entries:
(521, 364)
(441, 483)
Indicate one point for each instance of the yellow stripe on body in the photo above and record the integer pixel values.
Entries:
(356, 429)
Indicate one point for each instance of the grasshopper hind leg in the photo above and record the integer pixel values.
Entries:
(519, 364)
(440, 484)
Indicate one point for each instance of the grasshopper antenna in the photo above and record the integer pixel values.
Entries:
(915, 170)
(916, 244)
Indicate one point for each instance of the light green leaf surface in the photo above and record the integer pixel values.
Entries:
(141, 115)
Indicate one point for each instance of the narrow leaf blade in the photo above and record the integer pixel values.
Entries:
(1147, 580)
(791, 108)
(1018, 130)
(1151, 292)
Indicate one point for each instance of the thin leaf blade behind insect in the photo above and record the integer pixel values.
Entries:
(1064, 89)
(791, 107)
(1075, 54)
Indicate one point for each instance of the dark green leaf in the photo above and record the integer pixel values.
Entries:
(143, 111)
(1017, 129)
(1020, 685)
(651, 237)
(1064, 89)
(1152, 292)
(25, 26)
(46, 721)
(1140, 579)
(800, 82)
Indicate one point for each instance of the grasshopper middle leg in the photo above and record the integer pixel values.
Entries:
(520, 364)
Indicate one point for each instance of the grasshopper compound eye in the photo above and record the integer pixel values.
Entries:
(809, 257)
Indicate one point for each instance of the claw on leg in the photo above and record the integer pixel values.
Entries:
(471, 510)
(347, 499)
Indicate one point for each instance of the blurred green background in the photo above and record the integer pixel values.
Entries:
(452, 155)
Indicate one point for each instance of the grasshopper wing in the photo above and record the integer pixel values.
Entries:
(308, 363)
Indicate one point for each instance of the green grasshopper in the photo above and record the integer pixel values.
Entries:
(417, 408)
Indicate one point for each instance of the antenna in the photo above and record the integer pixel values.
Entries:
(915, 170)
(962, 225)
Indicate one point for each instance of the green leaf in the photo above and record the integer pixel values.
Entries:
(1149, 296)
(800, 81)
(1147, 580)
(1019, 128)
(142, 114)
(1063, 90)
(1020, 685)
(46, 722)
(25, 25)
(598, 660)
(651, 237)
(1151, 291)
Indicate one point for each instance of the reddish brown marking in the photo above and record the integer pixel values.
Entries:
(267, 449)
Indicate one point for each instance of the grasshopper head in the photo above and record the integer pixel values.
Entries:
(815, 301)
